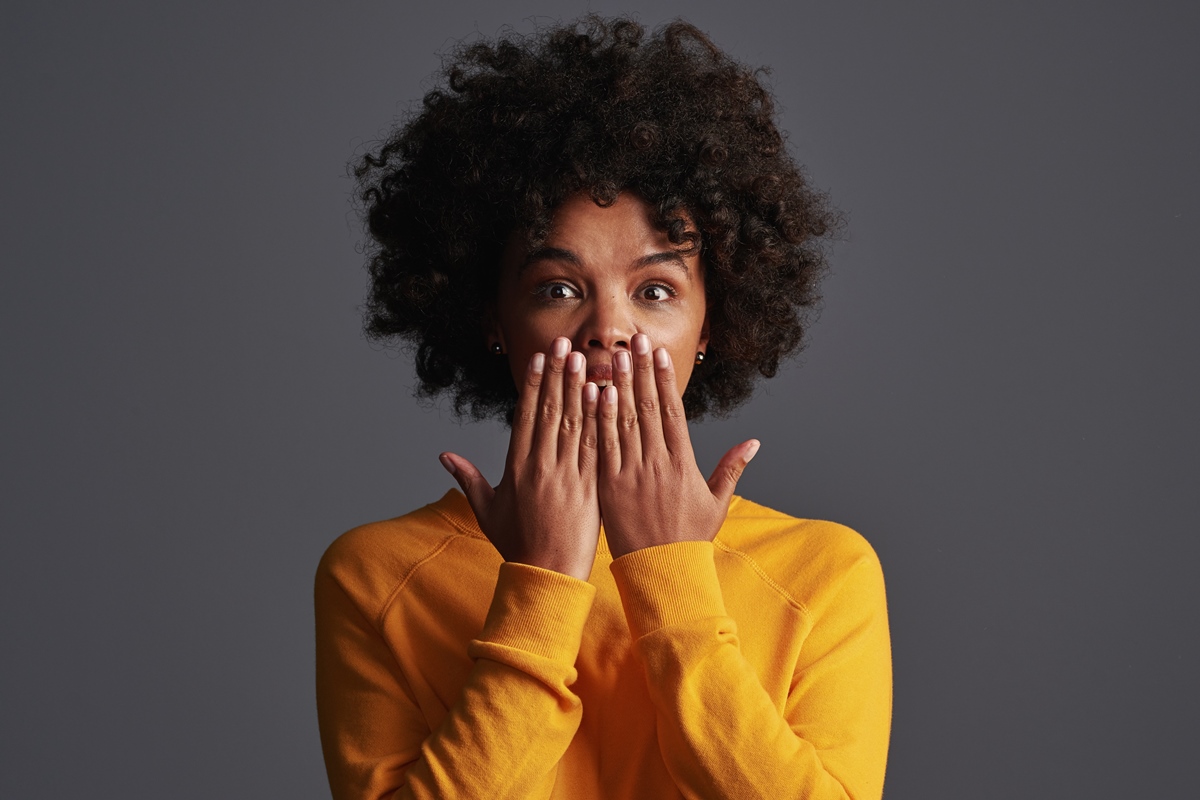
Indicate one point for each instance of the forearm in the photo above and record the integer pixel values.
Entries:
(504, 734)
(721, 733)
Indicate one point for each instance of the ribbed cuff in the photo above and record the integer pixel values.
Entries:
(668, 584)
(539, 611)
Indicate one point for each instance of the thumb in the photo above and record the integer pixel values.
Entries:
(729, 469)
(478, 491)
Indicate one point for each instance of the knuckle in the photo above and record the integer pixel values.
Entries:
(589, 441)
(673, 410)
(550, 410)
(629, 421)
(571, 423)
(648, 406)
(527, 415)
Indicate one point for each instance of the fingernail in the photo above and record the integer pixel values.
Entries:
(623, 360)
(610, 395)
(590, 392)
(754, 445)
(560, 347)
(447, 463)
(641, 344)
(575, 361)
(662, 359)
(538, 363)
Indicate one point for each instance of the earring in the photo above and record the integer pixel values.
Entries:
(699, 358)
(497, 349)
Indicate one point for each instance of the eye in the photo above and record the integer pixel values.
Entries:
(656, 292)
(556, 291)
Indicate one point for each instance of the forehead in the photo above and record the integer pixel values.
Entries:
(620, 236)
(629, 221)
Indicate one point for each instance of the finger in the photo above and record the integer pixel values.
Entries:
(571, 425)
(610, 440)
(645, 394)
(673, 418)
(478, 491)
(730, 468)
(627, 415)
(588, 437)
(550, 404)
(525, 414)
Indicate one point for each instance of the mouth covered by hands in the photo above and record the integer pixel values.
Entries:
(579, 454)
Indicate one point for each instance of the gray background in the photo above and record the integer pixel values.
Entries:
(1001, 393)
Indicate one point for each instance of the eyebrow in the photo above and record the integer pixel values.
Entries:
(671, 257)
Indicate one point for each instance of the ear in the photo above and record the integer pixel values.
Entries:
(703, 343)
(490, 325)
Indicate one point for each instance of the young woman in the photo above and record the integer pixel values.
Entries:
(597, 235)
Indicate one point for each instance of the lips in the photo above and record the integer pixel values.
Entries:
(599, 374)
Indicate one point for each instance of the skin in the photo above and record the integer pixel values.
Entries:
(601, 326)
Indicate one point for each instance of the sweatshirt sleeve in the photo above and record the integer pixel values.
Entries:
(719, 731)
(504, 735)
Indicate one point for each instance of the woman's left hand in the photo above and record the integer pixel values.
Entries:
(651, 492)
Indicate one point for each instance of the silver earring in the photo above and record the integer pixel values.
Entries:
(699, 358)
(497, 349)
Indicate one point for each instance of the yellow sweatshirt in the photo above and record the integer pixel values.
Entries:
(755, 666)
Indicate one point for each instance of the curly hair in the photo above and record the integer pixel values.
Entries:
(521, 124)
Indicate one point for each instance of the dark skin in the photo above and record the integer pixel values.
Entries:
(601, 326)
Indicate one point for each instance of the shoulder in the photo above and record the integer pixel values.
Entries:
(371, 562)
(810, 560)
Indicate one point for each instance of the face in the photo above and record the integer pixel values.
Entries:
(602, 275)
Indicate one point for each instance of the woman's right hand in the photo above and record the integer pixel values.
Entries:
(545, 511)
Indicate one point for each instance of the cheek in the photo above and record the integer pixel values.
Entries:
(683, 360)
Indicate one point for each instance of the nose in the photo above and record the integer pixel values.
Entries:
(608, 325)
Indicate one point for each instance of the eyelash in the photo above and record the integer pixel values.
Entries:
(543, 291)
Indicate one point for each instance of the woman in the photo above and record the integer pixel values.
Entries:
(597, 235)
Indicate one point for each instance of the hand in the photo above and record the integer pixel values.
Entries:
(545, 511)
(651, 491)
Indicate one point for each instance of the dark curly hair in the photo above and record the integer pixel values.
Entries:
(594, 106)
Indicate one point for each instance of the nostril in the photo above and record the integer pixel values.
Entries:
(594, 343)
(622, 343)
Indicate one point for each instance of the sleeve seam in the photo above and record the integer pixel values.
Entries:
(407, 576)
(767, 579)
(376, 628)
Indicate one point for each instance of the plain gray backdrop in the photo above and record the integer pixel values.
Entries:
(1001, 393)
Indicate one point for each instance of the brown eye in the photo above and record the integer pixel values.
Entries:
(656, 293)
(557, 291)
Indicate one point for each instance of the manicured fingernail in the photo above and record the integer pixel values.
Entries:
(610, 395)
(623, 361)
(590, 392)
(447, 463)
(754, 445)
(560, 347)
(641, 344)
(575, 361)
(662, 359)
(538, 363)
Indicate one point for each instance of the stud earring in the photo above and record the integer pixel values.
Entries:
(699, 358)
(497, 349)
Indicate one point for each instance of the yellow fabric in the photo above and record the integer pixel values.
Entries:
(755, 666)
